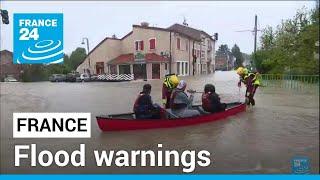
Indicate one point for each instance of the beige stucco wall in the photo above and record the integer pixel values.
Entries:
(108, 50)
(162, 40)
(111, 48)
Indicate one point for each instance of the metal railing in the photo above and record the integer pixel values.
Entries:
(298, 82)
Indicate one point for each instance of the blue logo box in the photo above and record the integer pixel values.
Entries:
(300, 165)
(38, 38)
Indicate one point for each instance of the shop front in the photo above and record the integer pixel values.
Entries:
(142, 66)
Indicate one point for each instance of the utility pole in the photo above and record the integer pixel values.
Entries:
(255, 31)
(255, 40)
(88, 51)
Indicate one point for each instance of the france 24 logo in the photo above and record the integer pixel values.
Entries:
(38, 38)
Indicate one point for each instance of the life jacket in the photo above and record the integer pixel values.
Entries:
(138, 107)
(206, 102)
(167, 83)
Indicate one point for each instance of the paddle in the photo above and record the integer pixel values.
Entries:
(168, 112)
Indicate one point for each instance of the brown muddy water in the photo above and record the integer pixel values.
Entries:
(283, 124)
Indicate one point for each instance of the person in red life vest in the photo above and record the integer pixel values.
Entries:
(180, 103)
(170, 82)
(143, 106)
(251, 89)
(211, 100)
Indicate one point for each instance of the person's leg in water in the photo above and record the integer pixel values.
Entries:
(247, 99)
(255, 87)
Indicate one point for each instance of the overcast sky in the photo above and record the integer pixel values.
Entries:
(99, 19)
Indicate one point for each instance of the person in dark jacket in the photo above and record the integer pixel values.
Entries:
(143, 106)
(211, 100)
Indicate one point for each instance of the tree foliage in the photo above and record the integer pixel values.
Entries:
(223, 48)
(238, 55)
(40, 72)
(290, 48)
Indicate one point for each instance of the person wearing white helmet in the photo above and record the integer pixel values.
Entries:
(181, 104)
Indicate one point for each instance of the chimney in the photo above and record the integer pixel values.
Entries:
(145, 24)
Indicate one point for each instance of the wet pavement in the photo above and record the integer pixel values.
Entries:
(283, 124)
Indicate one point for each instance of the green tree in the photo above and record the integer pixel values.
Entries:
(291, 47)
(223, 49)
(40, 72)
(76, 57)
(238, 55)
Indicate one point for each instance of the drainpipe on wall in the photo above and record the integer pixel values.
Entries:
(170, 59)
(193, 57)
(189, 56)
(200, 55)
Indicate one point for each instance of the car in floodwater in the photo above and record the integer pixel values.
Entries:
(72, 77)
(10, 78)
(84, 77)
(94, 77)
(57, 78)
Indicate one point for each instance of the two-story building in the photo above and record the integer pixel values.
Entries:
(224, 61)
(151, 52)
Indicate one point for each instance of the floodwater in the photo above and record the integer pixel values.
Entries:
(283, 124)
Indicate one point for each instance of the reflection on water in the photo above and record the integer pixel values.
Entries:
(282, 125)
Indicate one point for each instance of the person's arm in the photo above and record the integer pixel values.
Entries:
(187, 100)
(164, 94)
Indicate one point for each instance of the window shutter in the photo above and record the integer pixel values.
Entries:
(137, 45)
(141, 45)
(152, 43)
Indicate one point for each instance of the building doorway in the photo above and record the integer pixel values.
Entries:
(139, 71)
(124, 69)
(100, 68)
(155, 71)
(113, 69)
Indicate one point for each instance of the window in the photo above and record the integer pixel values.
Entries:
(202, 54)
(186, 68)
(139, 45)
(178, 43)
(152, 43)
(165, 66)
(182, 68)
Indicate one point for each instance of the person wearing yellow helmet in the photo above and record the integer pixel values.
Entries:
(252, 82)
(170, 82)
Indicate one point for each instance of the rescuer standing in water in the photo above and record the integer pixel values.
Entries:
(251, 80)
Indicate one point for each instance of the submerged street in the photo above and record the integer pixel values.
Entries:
(283, 124)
